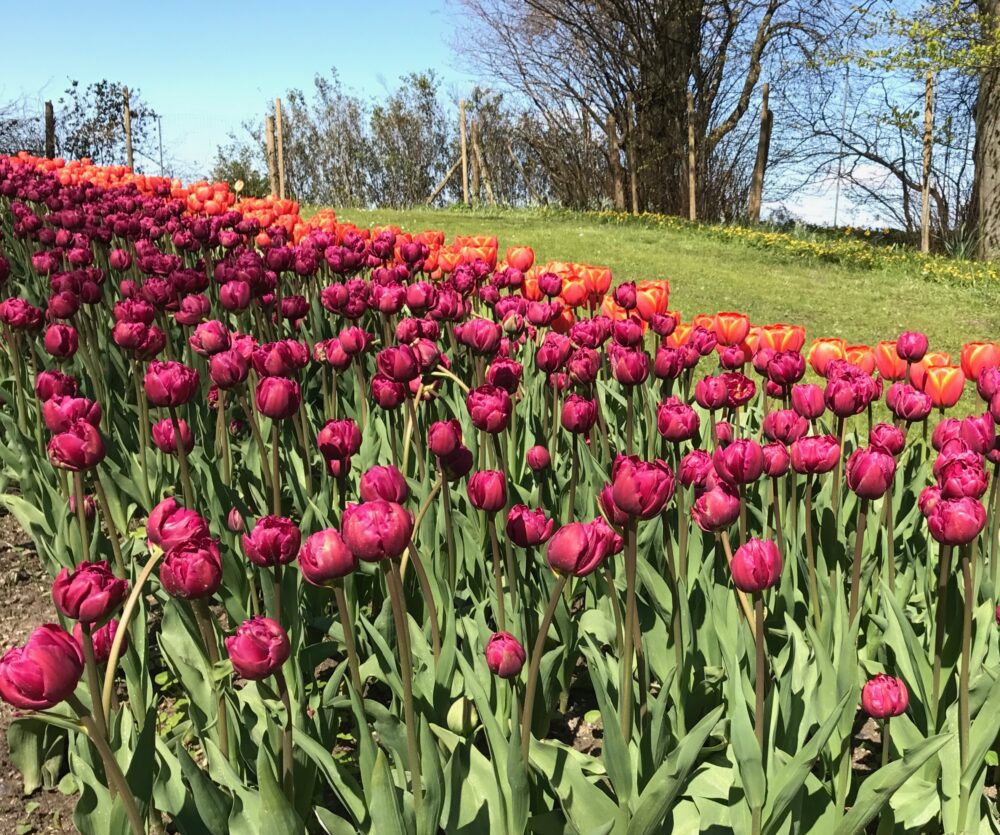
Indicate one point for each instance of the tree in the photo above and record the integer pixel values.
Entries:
(237, 163)
(91, 123)
(20, 129)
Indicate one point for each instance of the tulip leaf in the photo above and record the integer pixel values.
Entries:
(617, 759)
(333, 824)
(432, 776)
(876, 790)
(342, 782)
(749, 757)
(387, 815)
(584, 804)
(666, 783)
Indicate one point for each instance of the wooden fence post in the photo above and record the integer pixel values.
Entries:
(925, 186)
(128, 129)
(465, 152)
(524, 176)
(692, 161)
(760, 165)
(50, 131)
(481, 164)
(281, 148)
(269, 151)
(473, 140)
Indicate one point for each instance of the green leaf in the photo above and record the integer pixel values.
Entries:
(789, 780)
(212, 806)
(275, 813)
(664, 786)
(583, 803)
(880, 786)
(517, 777)
(387, 817)
(343, 784)
(749, 757)
(616, 754)
(36, 749)
(432, 777)
(333, 824)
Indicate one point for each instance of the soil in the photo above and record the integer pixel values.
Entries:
(25, 592)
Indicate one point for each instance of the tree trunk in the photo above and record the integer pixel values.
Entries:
(986, 155)
(615, 165)
(760, 165)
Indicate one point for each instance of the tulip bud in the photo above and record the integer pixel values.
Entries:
(274, 540)
(456, 465)
(756, 566)
(43, 672)
(776, 460)
(884, 696)
(234, 521)
(578, 414)
(579, 548)
(504, 655)
(444, 437)
(61, 341)
(339, 439)
(385, 483)
(870, 472)
(88, 593)
(487, 490)
(741, 462)
(325, 558)
(808, 401)
(170, 383)
(89, 507)
(259, 648)
(956, 521)
(526, 527)
(538, 458)
(888, 438)
(490, 408)
(376, 530)
(911, 346)
(192, 569)
(716, 509)
(711, 393)
(165, 438)
(170, 525)
(278, 397)
(641, 488)
(676, 421)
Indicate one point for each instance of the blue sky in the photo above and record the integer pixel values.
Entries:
(206, 66)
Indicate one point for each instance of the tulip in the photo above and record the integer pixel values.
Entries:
(504, 655)
(978, 432)
(61, 341)
(49, 384)
(258, 648)
(101, 639)
(944, 385)
(784, 426)
(62, 411)
(398, 363)
(907, 403)
(870, 472)
(192, 570)
(888, 362)
(583, 366)
(520, 258)
(89, 507)
(170, 384)
(278, 397)
(911, 346)
(676, 421)
(234, 521)
(988, 383)
(579, 548)
(487, 490)
(823, 351)
(578, 414)
(339, 439)
(808, 401)
(385, 483)
(505, 374)
(961, 474)
(756, 566)
(741, 462)
(711, 393)
(325, 558)
(740, 389)
(716, 508)
(696, 468)
(165, 438)
(538, 458)
(786, 367)
(376, 530)
(956, 521)
(669, 363)
(273, 541)
(528, 527)
(703, 341)
(933, 359)
(978, 356)
(228, 368)
(887, 438)
(731, 328)
(170, 525)
(444, 437)
(43, 672)
(815, 454)
(884, 696)
(490, 408)
(456, 465)
(776, 460)
(88, 593)
(80, 447)
(641, 488)
(210, 338)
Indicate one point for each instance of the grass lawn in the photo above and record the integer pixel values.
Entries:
(707, 275)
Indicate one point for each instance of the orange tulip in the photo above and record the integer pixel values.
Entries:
(702, 320)
(574, 292)
(520, 257)
(979, 355)
(731, 328)
(861, 356)
(564, 321)
(944, 385)
(824, 351)
(651, 298)
(932, 359)
(889, 365)
(681, 335)
(597, 279)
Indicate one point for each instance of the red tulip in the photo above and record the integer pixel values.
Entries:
(376, 530)
(785, 426)
(888, 438)
(504, 655)
(61, 341)
(42, 673)
(884, 696)
(711, 393)
(578, 414)
(905, 402)
(170, 383)
(487, 490)
(49, 384)
(385, 483)
(339, 439)
(88, 593)
(741, 462)
(696, 468)
(101, 638)
(961, 474)
(521, 258)
(911, 346)
(165, 438)
(756, 566)
(579, 548)
(209, 338)
(278, 397)
(538, 458)
(956, 521)
(274, 540)
(808, 400)
(815, 454)
(490, 408)
(641, 488)
(228, 369)
(716, 508)
(776, 460)
(62, 411)
(870, 472)
(80, 447)
(526, 527)
(325, 558)
(170, 525)
(192, 569)
(676, 421)
(259, 648)
(444, 437)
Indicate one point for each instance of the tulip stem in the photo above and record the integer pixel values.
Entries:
(616, 608)
(759, 683)
(890, 541)
(411, 425)
(573, 476)
(536, 660)
(425, 590)
(207, 626)
(449, 535)
(839, 471)
(630, 571)
(345, 624)
(287, 763)
(994, 522)
(275, 471)
(399, 615)
(859, 541)
(15, 359)
(359, 377)
(123, 623)
(776, 507)
(93, 682)
(182, 458)
(119, 785)
(222, 438)
(944, 570)
(811, 556)
(81, 516)
(265, 467)
(299, 422)
(116, 548)
(963, 683)
(629, 421)
(497, 573)
(886, 742)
